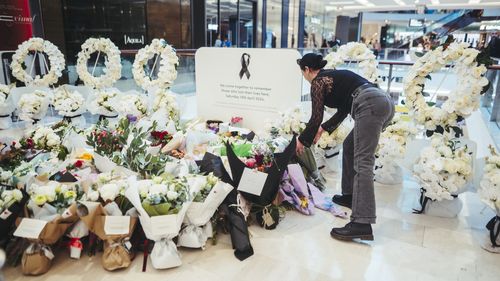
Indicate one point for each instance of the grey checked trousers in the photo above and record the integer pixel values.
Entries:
(372, 111)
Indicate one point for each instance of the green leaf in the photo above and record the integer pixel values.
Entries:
(419, 54)
(428, 77)
(430, 103)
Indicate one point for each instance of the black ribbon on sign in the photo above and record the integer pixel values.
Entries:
(68, 118)
(244, 65)
(424, 200)
(5, 116)
(495, 221)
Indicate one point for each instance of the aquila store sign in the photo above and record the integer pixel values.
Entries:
(129, 40)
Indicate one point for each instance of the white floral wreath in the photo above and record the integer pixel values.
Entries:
(168, 61)
(112, 62)
(358, 52)
(462, 101)
(38, 45)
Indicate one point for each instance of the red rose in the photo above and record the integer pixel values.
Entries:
(250, 163)
(79, 163)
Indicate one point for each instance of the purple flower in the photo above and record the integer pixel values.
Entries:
(131, 118)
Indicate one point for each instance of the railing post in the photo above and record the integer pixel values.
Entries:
(389, 81)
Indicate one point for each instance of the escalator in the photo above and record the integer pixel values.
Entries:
(444, 26)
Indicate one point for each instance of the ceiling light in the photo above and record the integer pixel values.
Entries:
(400, 3)
(474, 1)
(435, 2)
(342, 3)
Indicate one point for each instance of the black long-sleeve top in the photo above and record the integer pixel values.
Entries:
(332, 88)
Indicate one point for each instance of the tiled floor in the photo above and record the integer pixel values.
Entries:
(406, 247)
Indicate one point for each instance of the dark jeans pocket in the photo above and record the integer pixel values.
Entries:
(380, 106)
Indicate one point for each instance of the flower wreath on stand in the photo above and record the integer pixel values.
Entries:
(165, 59)
(447, 120)
(489, 192)
(103, 46)
(98, 102)
(38, 46)
(354, 51)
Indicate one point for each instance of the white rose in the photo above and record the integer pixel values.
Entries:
(172, 195)
(109, 191)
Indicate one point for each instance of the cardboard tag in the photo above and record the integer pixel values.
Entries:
(161, 225)
(5, 214)
(117, 225)
(252, 181)
(30, 228)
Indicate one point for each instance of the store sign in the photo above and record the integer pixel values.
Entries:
(16, 21)
(128, 40)
(255, 84)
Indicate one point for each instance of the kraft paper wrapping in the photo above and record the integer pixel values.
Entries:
(35, 264)
(116, 254)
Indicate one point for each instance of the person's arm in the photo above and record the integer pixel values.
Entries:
(335, 121)
(319, 87)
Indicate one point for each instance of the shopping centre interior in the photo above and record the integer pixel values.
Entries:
(447, 241)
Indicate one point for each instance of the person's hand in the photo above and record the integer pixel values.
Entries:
(318, 134)
(299, 149)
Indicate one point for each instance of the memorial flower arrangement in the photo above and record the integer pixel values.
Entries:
(58, 195)
(68, 103)
(469, 66)
(334, 139)
(356, 52)
(33, 106)
(9, 197)
(102, 102)
(444, 168)
(205, 189)
(490, 184)
(290, 122)
(47, 139)
(112, 72)
(392, 144)
(133, 105)
(165, 57)
(38, 45)
(165, 100)
(164, 195)
(4, 94)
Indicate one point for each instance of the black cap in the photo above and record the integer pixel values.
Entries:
(312, 60)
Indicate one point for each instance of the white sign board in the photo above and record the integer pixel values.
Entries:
(255, 84)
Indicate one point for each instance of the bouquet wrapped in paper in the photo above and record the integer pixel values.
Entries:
(108, 214)
(131, 103)
(70, 102)
(198, 228)
(6, 107)
(260, 186)
(162, 204)
(51, 211)
(32, 106)
(101, 103)
(12, 202)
